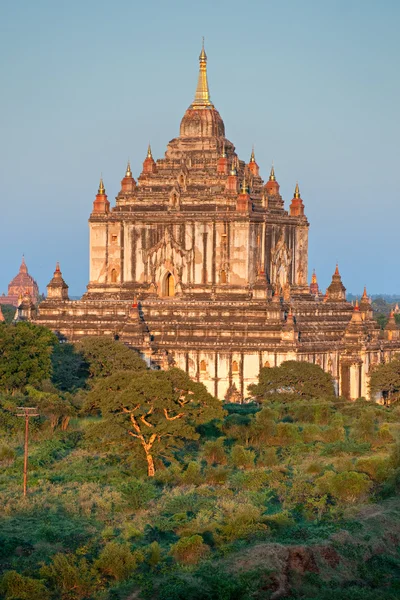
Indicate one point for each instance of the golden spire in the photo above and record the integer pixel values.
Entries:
(223, 150)
(297, 191)
(102, 189)
(364, 296)
(244, 189)
(252, 157)
(272, 174)
(128, 170)
(233, 170)
(202, 96)
(314, 277)
(149, 154)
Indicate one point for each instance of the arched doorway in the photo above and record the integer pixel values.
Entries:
(113, 276)
(169, 285)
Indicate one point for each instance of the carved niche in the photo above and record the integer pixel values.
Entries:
(281, 259)
(168, 257)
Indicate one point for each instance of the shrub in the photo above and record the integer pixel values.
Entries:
(384, 435)
(70, 577)
(117, 561)
(251, 480)
(189, 550)
(312, 433)
(216, 475)
(377, 467)
(348, 486)
(242, 458)
(138, 493)
(214, 453)
(267, 458)
(241, 521)
(17, 587)
(192, 475)
(154, 554)
(7, 455)
(287, 434)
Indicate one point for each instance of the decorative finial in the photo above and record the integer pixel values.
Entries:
(128, 170)
(58, 267)
(356, 307)
(244, 189)
(233, 170)
(272, 174)
(202, 96)
(252, 156)
(102, 189)
(364, 296)
(149, 154)
(314, 277)
(297, 191)
(223, 150)
(337, 269)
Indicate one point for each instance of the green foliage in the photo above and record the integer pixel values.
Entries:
(138, 493)
(105, 356)
(7, 455)
(117, 561)
(158, 409)
(299, 379)
(18, 587)
(70, 371)
(189, 550)
(25, 355)
(8, 313)
(242, 458)
(348, 486)
(385, 380)
(214, 452)
(70, 577)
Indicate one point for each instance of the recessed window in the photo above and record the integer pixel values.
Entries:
(235, 367)
(114, 276)
(203, 366)
(114, 238)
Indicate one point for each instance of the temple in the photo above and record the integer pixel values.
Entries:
(23, 284)
(199, 264)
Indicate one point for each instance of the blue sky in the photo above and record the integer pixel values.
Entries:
(313, 85)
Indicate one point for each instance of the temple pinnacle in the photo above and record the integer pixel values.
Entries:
(297, 191)
(272, 174)
(233, 170)
(128, 170)
(252, 156)
(244, 189)
(149, 154)
(202, 96)
(102, 189)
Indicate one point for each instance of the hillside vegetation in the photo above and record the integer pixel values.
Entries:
(293, 495)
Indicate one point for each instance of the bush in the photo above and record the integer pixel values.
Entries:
(287, 434)
(70, 577)
(192, 475)
(348, 486)
(117, 561)
(17, 587)
(377, 467)
(267, 458)
(242, 458)
(189, 550)
(7, 455)
(138, 493)
(214, 453)
(312, 433)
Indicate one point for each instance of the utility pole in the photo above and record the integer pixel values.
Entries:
(27, 412)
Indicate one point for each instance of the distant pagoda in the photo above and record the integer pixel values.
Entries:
(23, 284)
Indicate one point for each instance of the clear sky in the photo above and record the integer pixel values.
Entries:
(313, 84)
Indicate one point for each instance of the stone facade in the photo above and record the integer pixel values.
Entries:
(200, 265)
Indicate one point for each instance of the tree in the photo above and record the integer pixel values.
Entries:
(57, 408)
(294, 378)
(104, 356)
(158, 409)
(25, 355)
(70, 371)
(385, 380)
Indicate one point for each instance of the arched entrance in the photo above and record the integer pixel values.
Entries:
(169, 285)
